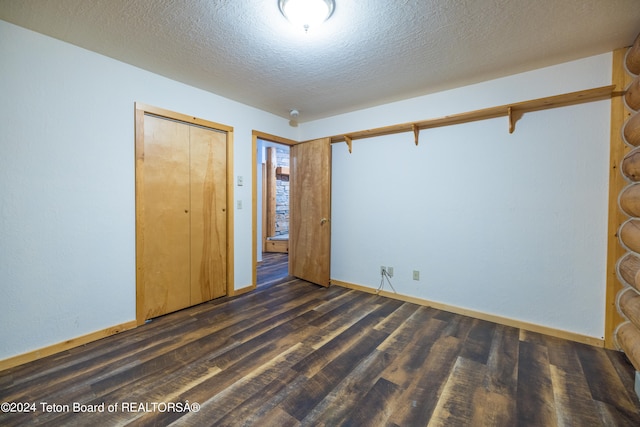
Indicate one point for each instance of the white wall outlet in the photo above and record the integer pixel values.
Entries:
(390, 271)
(239, 204)
(383, 269)
(416, 275)
(240, 181)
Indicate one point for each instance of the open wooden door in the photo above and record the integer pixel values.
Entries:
(310, 211)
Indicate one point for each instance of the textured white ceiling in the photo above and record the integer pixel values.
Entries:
(370, 52)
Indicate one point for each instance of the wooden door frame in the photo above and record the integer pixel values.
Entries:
(269, 198)
(140, 111)
(255, 135)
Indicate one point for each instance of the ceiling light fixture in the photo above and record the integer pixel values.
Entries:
(306, 13)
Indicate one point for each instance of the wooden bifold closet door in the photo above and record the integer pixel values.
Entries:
(181, 197)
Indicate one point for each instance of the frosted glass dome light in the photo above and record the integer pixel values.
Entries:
(306, 13)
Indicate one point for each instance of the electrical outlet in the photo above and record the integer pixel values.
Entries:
(416, 275)
(390, 271)
(383, 270)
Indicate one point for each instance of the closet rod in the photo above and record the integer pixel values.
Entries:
(513, 111)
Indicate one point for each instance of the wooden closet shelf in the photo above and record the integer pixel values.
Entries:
(513, 111)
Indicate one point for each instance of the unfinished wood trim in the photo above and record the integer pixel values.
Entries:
(230, 215)
(349, 142)
(280, 246)
(65, 345)
(254, 209)
(271, 191)
(516, 110)
(282, 170)
(512, 120)
(263, 204)
(182, 117)
(558, 333)
(244, 290)
(618, 149)
(274, 138)
(139, 207)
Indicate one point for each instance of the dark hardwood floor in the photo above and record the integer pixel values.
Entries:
(292, 353)
(274, 267)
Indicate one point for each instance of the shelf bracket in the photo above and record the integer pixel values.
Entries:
(512, 123)
(416, 133)
(349, 142)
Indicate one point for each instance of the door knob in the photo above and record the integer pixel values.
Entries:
(323, 220)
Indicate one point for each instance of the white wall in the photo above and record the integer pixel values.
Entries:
(67, 203)
(512, 225)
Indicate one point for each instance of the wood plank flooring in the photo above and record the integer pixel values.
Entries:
(274, 267)
(295, 354)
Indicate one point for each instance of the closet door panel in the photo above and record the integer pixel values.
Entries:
(208, 193)
(166, 216)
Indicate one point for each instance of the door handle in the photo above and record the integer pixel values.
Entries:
(323, 220)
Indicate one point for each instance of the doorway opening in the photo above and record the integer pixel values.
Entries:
(273, 200)
(309, 249)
